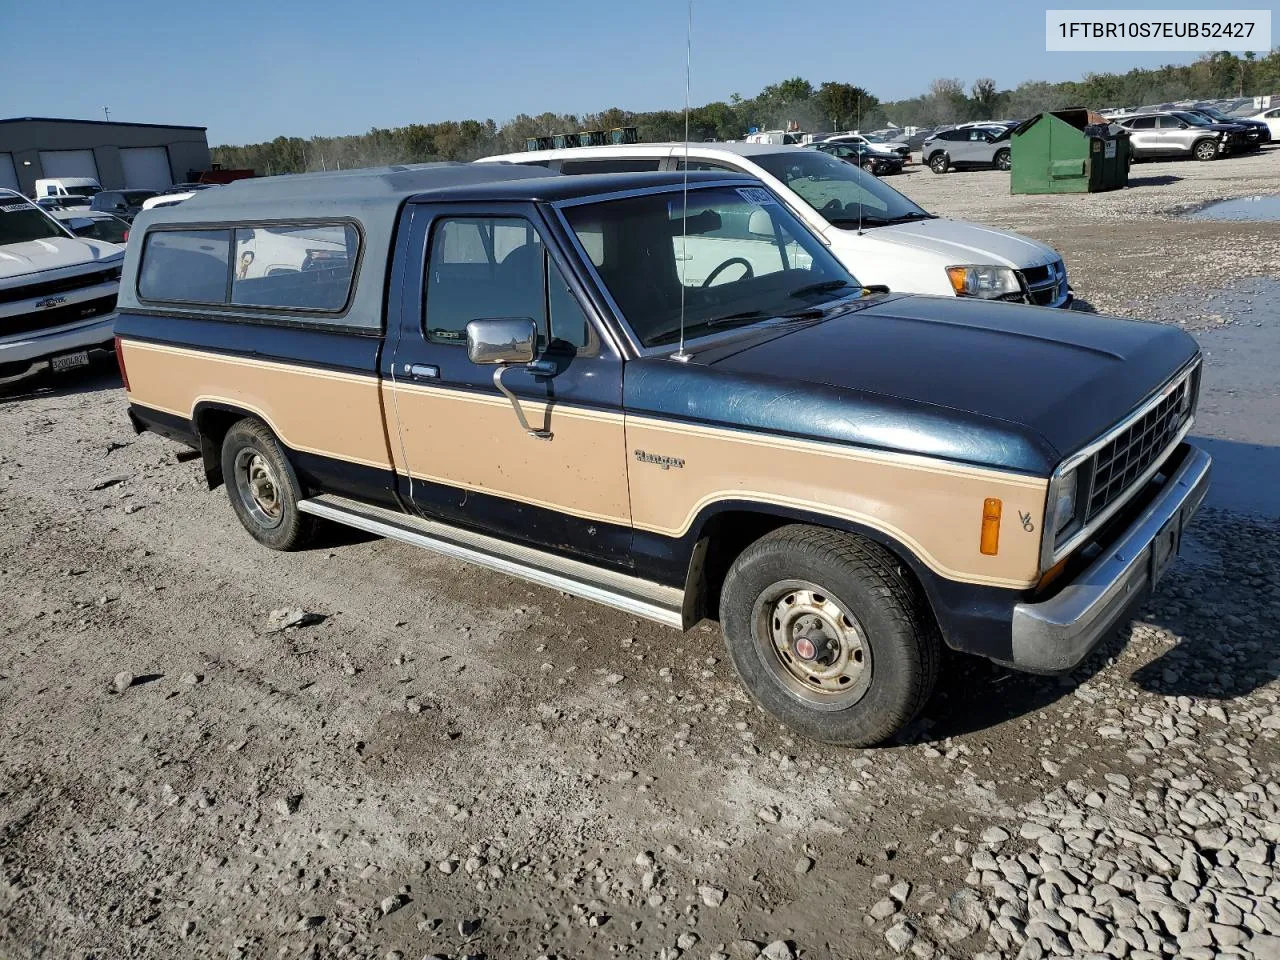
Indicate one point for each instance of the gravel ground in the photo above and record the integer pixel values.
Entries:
(211, 750)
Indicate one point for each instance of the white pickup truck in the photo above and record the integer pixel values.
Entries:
(57, 292)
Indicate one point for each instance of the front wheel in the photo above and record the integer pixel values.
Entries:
(869, 167)
(938, 164)
(1004, 160)
(1206, 150)
(830, 635)
(262, 487)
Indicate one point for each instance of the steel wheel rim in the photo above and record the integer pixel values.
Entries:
(939, 165)
(258, 488)
(814, 647)
(1004, 161)
(1206, 151)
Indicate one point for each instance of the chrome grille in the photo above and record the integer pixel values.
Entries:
(1127, 457)
(1045, 283)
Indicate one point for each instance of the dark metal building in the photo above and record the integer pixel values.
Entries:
(143, 155)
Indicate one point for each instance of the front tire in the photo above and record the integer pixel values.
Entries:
(263, 489)
(938, 163)
(1004, 160)
(830, 635)
(1205, 150)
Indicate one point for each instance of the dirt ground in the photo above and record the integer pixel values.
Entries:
(441, 761)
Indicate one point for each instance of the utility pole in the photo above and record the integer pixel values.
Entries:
(106, 112)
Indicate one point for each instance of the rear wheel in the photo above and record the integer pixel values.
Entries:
(262, 487)
(829, 635)
(1004, 160)
(1205, 150)
(938, 163)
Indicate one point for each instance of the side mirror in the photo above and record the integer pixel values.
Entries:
(500, 343)
(759, 224)
(874, 289)
(1183, 125)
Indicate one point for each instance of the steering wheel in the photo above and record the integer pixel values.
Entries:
(729, 263)
(832, 208)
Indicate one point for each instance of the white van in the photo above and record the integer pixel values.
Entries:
(880, 235)
(67, 189)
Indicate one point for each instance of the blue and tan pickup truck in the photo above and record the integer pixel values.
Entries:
(661, 392)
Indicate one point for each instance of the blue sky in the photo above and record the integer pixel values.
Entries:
(252, 70)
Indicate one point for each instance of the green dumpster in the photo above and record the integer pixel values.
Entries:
(1068, 151)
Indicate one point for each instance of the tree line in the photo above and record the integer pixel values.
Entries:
(827, 106)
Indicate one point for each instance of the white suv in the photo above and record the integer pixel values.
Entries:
(880, 235)
(57, 292)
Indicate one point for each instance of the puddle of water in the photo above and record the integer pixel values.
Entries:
(1261, 207)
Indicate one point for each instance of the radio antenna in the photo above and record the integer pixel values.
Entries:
(860, 164)
(684, 211)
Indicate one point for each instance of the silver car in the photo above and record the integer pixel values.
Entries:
(1178, 135)
(968, 148)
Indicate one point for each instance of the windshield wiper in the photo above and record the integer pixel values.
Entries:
(746, 316)
(823, 286)
(913, 215)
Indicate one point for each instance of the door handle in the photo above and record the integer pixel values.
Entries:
(422, 371)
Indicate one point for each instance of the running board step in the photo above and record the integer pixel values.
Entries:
(643, 598)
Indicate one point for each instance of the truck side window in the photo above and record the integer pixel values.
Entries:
(480, 269)
(489, 267)
(569, 324)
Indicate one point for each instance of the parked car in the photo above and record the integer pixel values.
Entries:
(1214, 115)
(880, 235)
(661, 392)
(1272, 119)
(67, 190)
(967, 148)
(125, 204)
(860, 155)
(874, 144)
(93, 225)
(57, 292)
(1179, 135)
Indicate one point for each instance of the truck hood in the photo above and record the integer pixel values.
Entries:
(35, 256)
(960, 243)
(1014, 386)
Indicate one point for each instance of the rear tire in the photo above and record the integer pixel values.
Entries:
(1205, 150)
(938, 163)
(830, 635)
(262, 487)
(1004, 160)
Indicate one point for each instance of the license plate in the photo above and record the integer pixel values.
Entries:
(1165, 547)
(69, 361)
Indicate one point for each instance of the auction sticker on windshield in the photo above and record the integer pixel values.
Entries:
(756, 195)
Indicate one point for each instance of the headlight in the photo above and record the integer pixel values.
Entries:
(1063, 510)
(983, 281)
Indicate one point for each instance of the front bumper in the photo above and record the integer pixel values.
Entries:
(30, 353)
(1055, 635)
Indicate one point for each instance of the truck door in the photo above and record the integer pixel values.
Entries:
(462, 455)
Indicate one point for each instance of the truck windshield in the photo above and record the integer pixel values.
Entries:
(842, 193)
(82, 191)
(736, 257)
(21, 222)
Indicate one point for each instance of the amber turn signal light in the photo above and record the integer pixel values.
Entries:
(989, 543)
